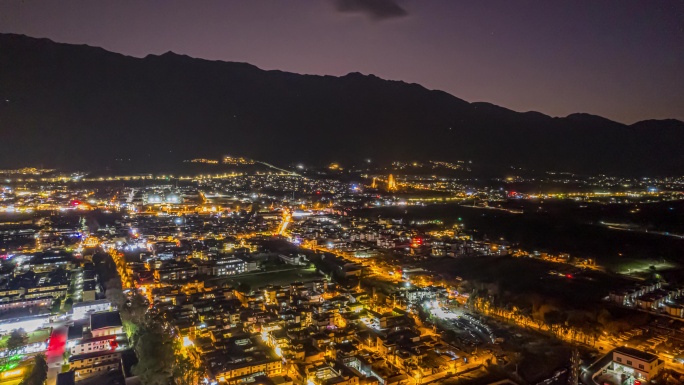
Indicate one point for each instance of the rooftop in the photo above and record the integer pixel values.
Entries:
(91, 303)
(66, 378)
(638, 354)
(106, 319)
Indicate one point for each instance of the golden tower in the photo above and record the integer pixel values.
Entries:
(391, 183)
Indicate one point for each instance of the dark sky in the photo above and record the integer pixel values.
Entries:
(621, 59)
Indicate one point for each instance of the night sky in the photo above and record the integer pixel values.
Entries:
(620, 59)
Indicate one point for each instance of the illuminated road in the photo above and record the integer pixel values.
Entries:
(287, 218)
(642, 231)
(278, 168)
(55, 351)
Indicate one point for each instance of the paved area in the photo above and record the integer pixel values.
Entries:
(55, 352)
(586, 374)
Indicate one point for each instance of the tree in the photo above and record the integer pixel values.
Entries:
(185, 371)
(555, 320)
(133, 314)
(56, 305)
(114, 293)
(68, 304)
(244, 288)
(155, 351)
(654, 272)
(17, 339)
(136, 309)
(38, 374)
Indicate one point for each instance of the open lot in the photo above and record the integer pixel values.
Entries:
(564, 226)
(534, 354)
(35, 336)
(282, 276)
(518, 276)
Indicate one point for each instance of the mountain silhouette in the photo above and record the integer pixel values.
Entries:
(76, 106)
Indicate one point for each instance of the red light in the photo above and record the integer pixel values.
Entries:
(76, 202)
(568, 276)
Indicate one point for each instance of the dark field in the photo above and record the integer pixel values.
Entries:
(522, 276)
(567, 227)
(278, 277)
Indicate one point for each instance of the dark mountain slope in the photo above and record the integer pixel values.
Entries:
(79, 106)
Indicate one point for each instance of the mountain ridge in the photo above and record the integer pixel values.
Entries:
(172, 106)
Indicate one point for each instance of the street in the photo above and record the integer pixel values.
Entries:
(55, 351)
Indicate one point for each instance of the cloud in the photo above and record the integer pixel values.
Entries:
(375, 9)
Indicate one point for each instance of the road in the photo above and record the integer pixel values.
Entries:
(278, 168)
(55, 351)
(585, 375)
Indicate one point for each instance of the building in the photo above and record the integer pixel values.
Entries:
(293, 258)
(66, 378)
(76, 331)
(54, 291)
(105, 324)
(96, 344)
(24, 303)
(179, 273)
(92, 364)
(84, 309)
(46, 262)
(240, 371)
(28, 323)
(228, 266)
(674, 310)
(391, 183)
(423, 293)
(639, 364)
